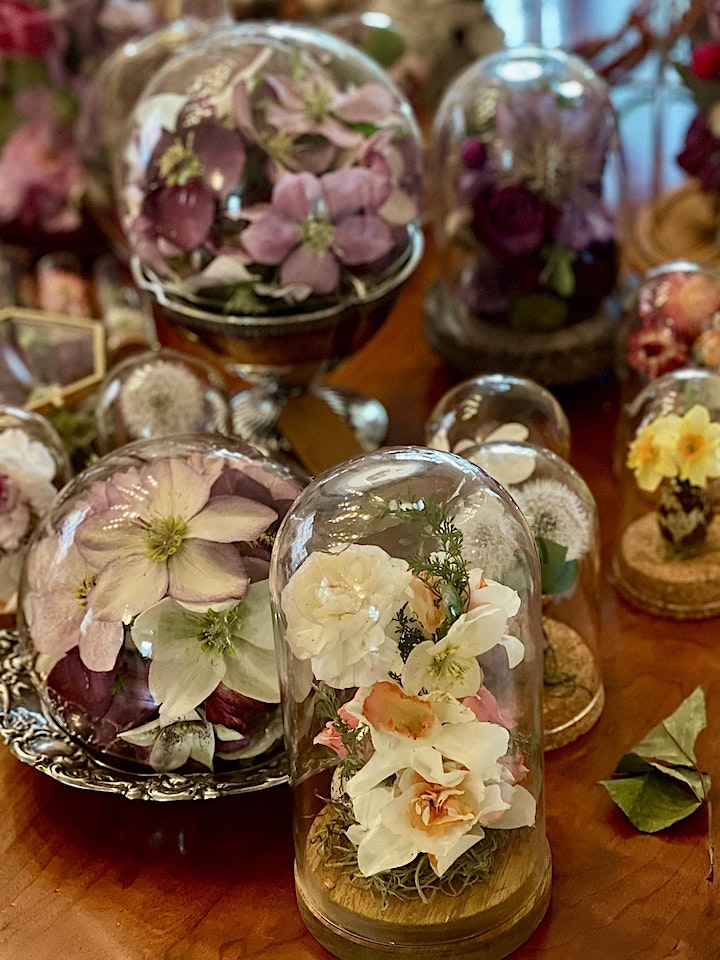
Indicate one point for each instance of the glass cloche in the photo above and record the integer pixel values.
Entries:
(271, 193)
(407, 598)
(527, 180)
(145, 605)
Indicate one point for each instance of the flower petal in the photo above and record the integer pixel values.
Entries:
(204, 572)
(362, 239)
(182, 674)
(270, 239)
(253, 672)
(126, 586)
(319, 271)
(226, 519)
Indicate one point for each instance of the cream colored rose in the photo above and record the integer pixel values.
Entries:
(339, 606)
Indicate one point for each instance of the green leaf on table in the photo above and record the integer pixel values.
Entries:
(652, 802)
(557, 573)
(658, 782)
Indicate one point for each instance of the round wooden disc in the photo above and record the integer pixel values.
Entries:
(568, 715)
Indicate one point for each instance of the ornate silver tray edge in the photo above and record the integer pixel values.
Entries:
(35, 740)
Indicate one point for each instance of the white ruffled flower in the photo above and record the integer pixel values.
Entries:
(555, 512)
(339, 605)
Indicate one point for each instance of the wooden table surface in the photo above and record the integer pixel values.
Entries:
(87, 876)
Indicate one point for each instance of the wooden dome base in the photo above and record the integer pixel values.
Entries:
(571, 710)
(650, 578)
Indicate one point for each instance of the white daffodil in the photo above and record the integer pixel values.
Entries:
(339, 605)
(449, 784)
(191, 653)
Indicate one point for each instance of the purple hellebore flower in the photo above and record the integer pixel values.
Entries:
(190, 172)
(314, 226)
(513, 221)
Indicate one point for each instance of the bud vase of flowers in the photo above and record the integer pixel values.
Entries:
(668, 555)
(405, 588)
(527, 174)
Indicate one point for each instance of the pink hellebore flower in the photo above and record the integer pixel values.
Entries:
(161, 536)
(316, 225)
(55, 606)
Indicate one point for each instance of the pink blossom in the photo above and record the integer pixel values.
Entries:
(314, 225)
(486, 708)
(330, 737)
(25, 29)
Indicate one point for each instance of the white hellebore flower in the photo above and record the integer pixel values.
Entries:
(339, 606)
(449, 783)
(175, 741)
(191, 653)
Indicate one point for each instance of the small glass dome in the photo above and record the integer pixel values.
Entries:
(672, 320)
(667, 554)
(562, 515)
(158, 393)
(34, 465)
(406, 591)
(145, 603)
(498, 406)
(270, 166)
(527, 179)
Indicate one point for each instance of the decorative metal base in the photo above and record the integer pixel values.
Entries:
(255, 413)
(36, 740)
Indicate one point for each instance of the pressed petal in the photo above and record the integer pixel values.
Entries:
(296, 195)
(183, 215)
(222, 155)
(172, 748)
(182, 674)
(203, 572)
(362, 239)
(100, 642)
(370, 103)
(321, 272)
(226, 519)
(174, 488)
(271, 238)
(126, 586)
(347, 191)
(252, 672)
(256, 622)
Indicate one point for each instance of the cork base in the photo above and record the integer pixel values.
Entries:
(486, 922)
(680, 225)
(651, 579)
(570, 712)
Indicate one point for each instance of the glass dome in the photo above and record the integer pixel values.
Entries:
(157, 393)
(270, 167)
(527, 180)
(34, 465)
(497, 406)
(145, 603)
(672, 320)
(667, 553)
(406, 592)
(562, 515)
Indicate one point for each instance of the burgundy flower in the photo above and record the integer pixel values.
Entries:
(700, 156)
(653, 351)
(513, 221)
(25, 29)
(705, 60)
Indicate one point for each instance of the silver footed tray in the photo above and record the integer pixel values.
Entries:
(38, 741)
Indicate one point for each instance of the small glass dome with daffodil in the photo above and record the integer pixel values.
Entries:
(668, 556)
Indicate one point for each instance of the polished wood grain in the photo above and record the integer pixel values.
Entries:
(85, 876)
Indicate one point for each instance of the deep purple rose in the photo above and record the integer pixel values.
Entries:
(700, 157)
(513, 221)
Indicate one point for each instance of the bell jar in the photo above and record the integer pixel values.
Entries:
(406, 592)
(144, 608)
(527, 180)
(667, 553)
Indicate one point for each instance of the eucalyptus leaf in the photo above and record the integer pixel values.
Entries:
(652, 802)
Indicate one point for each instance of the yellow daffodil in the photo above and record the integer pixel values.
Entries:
(651, 452)
(697, 447)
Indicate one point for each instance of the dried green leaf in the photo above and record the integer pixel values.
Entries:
(653, 801)
(673, 740)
